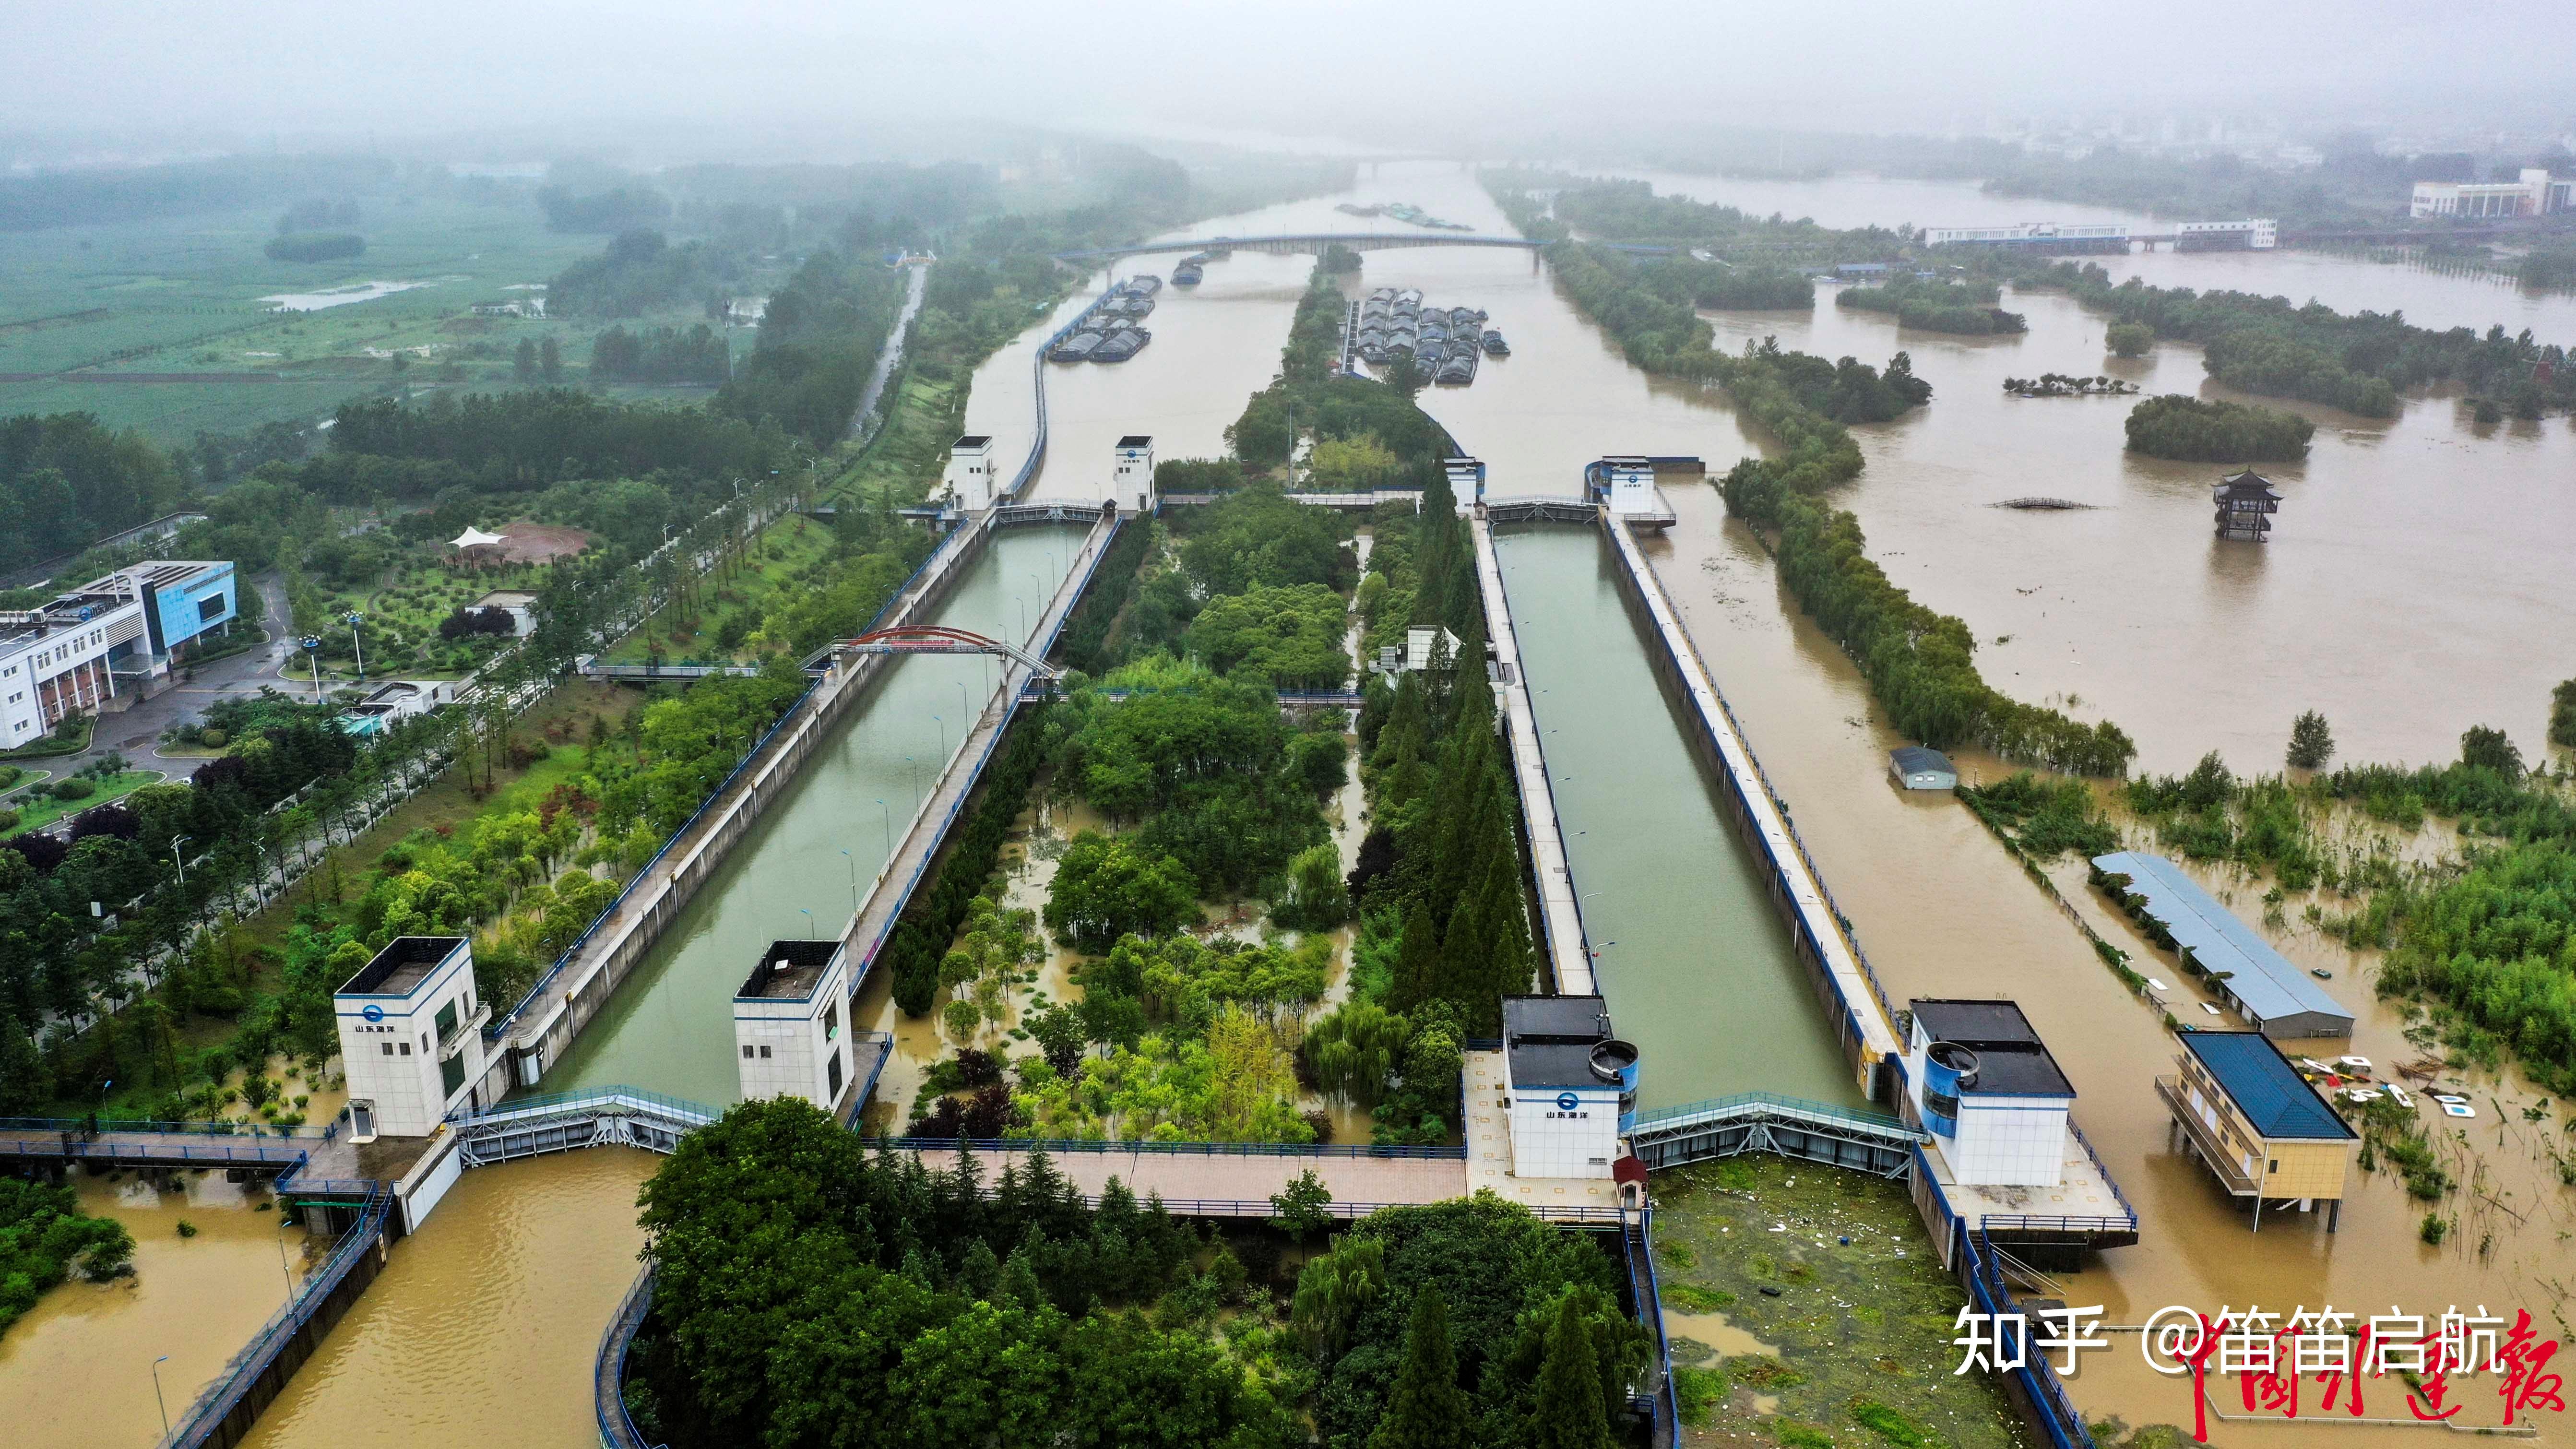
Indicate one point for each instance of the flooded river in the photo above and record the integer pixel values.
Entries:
(485, 1323)
(77, 1371)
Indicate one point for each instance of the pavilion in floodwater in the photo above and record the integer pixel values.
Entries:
(2246, 502)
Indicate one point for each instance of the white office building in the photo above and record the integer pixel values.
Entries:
(106, 644)
(2534, 193)
(411, 1036)
(790, 1025)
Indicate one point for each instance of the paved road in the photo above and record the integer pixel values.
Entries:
(136, 733)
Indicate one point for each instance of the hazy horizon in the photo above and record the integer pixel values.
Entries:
(666, 81)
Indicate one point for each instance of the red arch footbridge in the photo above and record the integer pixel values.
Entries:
(942, 639)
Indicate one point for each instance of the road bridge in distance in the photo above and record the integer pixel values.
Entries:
(1315, 241)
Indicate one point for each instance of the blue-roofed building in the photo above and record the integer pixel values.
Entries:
(2274, 996)
(2263, 1132)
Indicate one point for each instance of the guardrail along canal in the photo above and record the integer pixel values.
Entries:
(1693, 958)
(670, 1028)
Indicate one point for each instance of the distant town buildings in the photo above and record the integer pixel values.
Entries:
(2534, 193)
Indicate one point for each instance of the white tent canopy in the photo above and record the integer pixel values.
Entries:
(474, 538)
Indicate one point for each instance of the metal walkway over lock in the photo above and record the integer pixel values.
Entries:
(1759, 1122)
(613, 1117)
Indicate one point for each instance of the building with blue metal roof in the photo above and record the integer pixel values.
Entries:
(2274, 996)
(2256, 1123)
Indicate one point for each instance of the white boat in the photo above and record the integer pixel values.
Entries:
(2360, 1094)
(2358, 1064)
(2459, 1109)
(2399, 1094)
(2158, 985)
(2212, 1010)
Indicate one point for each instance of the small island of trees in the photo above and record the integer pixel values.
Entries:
(2056, 384)
(2187, 428)
(1966, 307)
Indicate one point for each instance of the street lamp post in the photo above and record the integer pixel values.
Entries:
(313, 660)
(809, 922)
(916, 782)
(943, 735)
(156, 1394)
(885, 817)
(357, 643)
(181, 864)
(854, 881)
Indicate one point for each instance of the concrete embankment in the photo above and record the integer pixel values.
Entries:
(1860, 1015)
(538, 1032)
(927, 831)
(1560, 912)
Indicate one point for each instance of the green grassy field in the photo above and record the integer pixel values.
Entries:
(36, 809)
(1806, 1308)
(192, 295)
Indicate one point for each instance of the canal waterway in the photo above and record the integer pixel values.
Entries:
(486, 1322)
(2403, 614)
(2421, 618)
(1691, 955)
(669, 1028)
(77, 1370)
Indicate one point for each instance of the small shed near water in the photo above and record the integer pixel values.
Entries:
(1917, 768)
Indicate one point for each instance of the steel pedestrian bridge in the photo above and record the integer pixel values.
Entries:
(1870, 1142)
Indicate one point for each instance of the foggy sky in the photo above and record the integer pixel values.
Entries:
(1504, 75)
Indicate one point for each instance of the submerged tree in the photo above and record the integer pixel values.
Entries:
(2485, 747)
(2311, 742)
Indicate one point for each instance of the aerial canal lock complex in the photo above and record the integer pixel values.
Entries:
(1332, 878)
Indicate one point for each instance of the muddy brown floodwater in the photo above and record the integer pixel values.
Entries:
(78, 1369)
(484, 1322)
(2403, 616)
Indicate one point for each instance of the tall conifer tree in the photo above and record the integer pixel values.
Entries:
(1569, 1412)
(1426, 1409)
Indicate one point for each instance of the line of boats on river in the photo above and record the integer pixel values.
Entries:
(1445, 343)
(1109, 330)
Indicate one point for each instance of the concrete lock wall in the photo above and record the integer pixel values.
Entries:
(1738, 785)
(762, 780)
